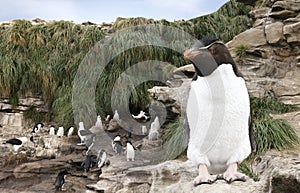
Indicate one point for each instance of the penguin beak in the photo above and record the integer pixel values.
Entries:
(190, 54)
(202, 60)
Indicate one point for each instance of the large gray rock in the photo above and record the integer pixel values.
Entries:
(291, 32)
(271, 64)
(276, 170)
(285, 9)
(253, 37)
(274, 32)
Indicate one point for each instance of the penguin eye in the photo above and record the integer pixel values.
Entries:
(212, 50)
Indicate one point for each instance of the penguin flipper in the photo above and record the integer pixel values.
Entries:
(186, 128)
(251, 133)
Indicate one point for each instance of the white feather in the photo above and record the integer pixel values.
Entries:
(70, 131)
(218, 109)
(144, 129)
(52, 131)
(82, 138)
(130, 152)
(116, 115)
(98, 122)
(60, 132)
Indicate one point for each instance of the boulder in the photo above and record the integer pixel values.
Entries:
(113, 125)
(285, 9)
(274, 32)
(30, 169)
(253, 38)
(291, 32)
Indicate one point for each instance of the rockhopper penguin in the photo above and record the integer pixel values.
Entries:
(60, 180)
(218, 114)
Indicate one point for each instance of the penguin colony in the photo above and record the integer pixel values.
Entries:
(87, 138)
(218, 114)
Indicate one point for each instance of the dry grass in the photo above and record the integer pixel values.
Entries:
(14, 159)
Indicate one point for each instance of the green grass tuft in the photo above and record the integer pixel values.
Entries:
(246, 168)
(274, 134)
(262, 107)
(34, 115)
(240, 51)
(174, 138)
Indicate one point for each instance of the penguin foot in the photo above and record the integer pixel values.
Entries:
(231, 174)
(210, 179)
(229, 178)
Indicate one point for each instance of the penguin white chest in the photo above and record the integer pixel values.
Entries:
(130, 152)
(60, 132)
(218, 109)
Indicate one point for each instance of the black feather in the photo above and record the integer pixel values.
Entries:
(14, 141)
(208, 40)
(205, 42)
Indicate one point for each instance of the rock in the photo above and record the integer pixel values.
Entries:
(253, 38)
(174, 98)
(271, 63)
(285, 9)
(143, 188)
(28, 170)
(46, 153)
(291, 32)
(274, 32)
(274, 169)
(260, 12)
(279, 171)
(105, 186)
(169, 176)
(113, 125)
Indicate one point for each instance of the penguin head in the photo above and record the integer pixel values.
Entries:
(207, 54)
(128, 142)
(63, 173)
(80, 124)
(40, 125)
(117, 138)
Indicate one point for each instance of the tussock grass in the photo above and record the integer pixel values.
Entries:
(43, 59)
(240, 51)
(174, 139)
(274, 134)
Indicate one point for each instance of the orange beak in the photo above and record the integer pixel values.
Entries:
(190, 54)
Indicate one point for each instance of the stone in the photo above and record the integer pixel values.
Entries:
(113, 125)
(274, 32)
(291, 32)
(260, 12)
(285, 9)
(30, 169)
(253, 38)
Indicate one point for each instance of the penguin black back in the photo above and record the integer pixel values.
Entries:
(60, 180)
(89, 162)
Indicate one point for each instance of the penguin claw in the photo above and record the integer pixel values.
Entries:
(231, 179)
(241, 179)
(204, 181)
